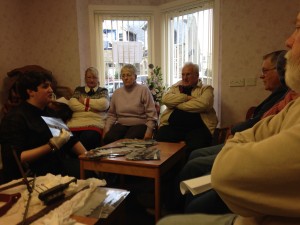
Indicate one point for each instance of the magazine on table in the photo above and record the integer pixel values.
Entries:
(196, 185)
(144, 154)
(132, 149)
(138, 143)
(108, 152)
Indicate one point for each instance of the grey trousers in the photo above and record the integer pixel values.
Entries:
(197, 219)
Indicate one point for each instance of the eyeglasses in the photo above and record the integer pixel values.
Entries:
(186, 75)
(126, 76)
(264, 71)
(91, 78)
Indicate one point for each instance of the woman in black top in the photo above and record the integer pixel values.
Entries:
(24, 130)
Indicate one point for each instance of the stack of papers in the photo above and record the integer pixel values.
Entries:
(108, 152)
(144, 154)
(133, 149)
(137, 143)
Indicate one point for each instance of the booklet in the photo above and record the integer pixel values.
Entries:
(196, 185)
(55, 125)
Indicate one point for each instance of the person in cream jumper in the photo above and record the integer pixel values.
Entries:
(257, 171)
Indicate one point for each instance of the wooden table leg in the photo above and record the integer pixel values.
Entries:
(157, 197)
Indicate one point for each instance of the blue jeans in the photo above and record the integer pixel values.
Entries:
(199, 163)
(208, 202)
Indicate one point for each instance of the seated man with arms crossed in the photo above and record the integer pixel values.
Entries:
(189, 115)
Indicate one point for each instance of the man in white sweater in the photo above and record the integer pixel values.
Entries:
(257, 171)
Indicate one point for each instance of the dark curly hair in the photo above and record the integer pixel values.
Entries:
(30, 81)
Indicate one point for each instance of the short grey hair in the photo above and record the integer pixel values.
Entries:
(129, 67)
(196, 68)
(273, 56)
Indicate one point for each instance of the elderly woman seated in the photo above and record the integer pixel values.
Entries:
(89, 104)
(132, 112)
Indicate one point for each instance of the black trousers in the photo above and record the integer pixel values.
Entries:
(119, 131)
(90, 139)
(199, 163)
(193, 137)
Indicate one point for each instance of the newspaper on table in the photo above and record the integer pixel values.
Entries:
(132, 149)
(144, 154)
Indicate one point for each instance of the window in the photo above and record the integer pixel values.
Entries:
(124, 39)
(167, 35)
(190, 37)
(120, 37)
(108, 35)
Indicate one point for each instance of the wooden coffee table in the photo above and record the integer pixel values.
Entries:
(170, 154)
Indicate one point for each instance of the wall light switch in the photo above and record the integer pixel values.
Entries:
(237, 82)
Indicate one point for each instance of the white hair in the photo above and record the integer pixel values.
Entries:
(292, 74)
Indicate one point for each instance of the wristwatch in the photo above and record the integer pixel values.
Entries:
(52, 147)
